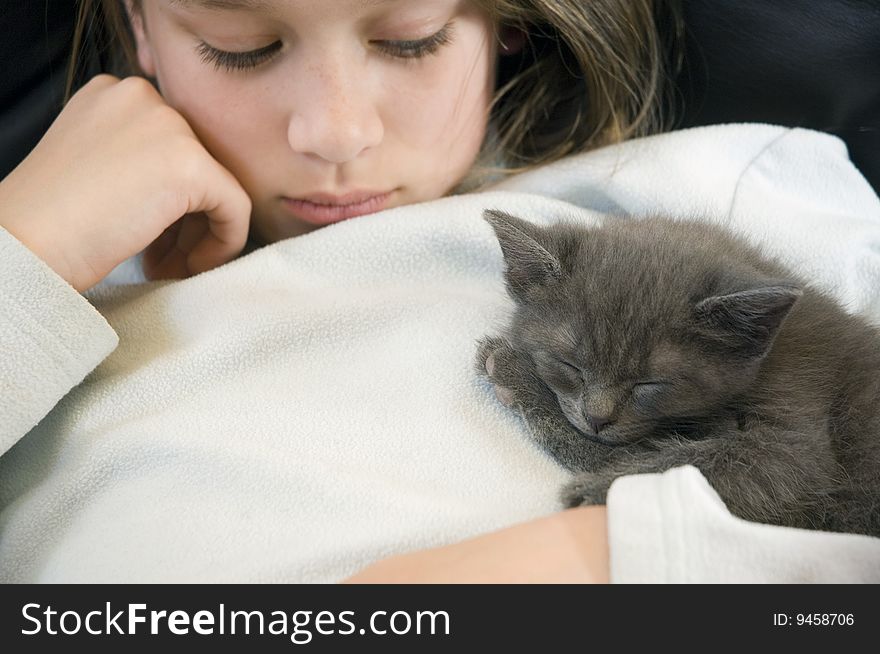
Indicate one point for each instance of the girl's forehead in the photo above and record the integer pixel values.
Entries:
(414, 14)
(382, 19)
(274, 6)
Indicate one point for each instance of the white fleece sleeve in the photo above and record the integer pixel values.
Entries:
(674, 528)
(50, 339)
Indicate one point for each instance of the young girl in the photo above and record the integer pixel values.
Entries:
(268, 120)
(277, 120)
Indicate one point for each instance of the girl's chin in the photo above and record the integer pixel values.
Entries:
(265, 232)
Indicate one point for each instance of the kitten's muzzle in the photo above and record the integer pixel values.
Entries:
(598, 423)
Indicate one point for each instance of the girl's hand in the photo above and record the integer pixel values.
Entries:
(567, 547)
(115, 172)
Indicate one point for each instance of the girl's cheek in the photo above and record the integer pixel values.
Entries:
(215, 106)
(439, 106)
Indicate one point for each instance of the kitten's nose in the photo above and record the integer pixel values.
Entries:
(597, 424)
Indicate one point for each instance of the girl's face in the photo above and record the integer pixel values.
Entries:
(326, 109)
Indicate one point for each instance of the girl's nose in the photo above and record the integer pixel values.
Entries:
(335, 117)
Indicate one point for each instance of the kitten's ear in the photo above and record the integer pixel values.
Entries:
(747, 321)
(529, 264)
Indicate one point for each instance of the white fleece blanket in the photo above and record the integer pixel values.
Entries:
(313, 406)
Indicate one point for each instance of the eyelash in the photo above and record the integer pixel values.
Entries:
(418, 48)
(233, 61)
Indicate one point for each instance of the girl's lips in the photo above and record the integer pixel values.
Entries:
(325, 210)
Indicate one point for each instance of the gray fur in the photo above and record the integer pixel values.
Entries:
(646, 344)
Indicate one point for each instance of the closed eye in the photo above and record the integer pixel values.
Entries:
(417, 48)
(648, 386)
(569, 366)
(647, 392)
(232, 61)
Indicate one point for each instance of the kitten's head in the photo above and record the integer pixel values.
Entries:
(640, 328)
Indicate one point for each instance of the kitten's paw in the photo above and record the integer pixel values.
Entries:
(485, 350)
(585, 490)
(486, 365)
(505, 368)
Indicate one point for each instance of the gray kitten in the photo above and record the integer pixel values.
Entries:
(642, 345)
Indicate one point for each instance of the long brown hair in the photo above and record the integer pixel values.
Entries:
(591, 73)
(102, 40)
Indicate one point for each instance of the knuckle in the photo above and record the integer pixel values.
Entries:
(138, 87)
(100, 81)
(93, 89)
(132, 97)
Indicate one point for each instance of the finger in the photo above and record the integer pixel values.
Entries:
(228, 210)
(171, 265)
(193, 228)
(162, 259)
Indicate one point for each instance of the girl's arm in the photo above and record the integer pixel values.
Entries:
(657, 528)
(566, 547)
(113, 175)
(51, 336)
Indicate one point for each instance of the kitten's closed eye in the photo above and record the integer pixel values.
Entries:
(558, 373)
(647, 394)
(569, 366)
(565, 376)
